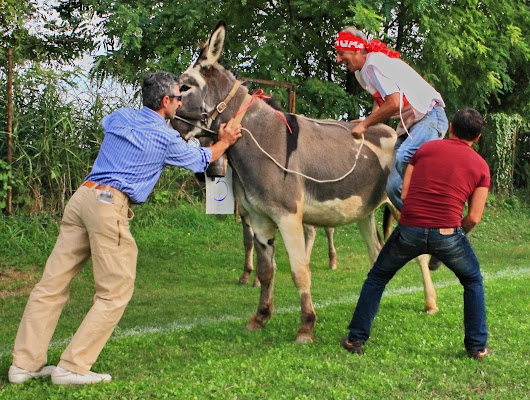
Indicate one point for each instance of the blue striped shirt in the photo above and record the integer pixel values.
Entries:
(136, 147)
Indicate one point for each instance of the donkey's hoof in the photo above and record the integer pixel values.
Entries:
(243, 281)
(256, 283)
(305, 338)
(254, 325)
(431, 310)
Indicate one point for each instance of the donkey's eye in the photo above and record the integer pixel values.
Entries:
(184, 88)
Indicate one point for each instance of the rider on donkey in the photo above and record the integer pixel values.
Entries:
(398, 91)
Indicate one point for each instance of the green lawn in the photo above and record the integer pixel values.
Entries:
(182, 335)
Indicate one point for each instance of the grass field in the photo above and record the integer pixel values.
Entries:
(182, 335)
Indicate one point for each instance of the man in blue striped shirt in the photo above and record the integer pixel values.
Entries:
(137, 146)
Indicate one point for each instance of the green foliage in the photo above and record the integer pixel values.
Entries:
(292, 41)
(323, 99)
(500, 140)
(5, 177)
(283, 41)
(26, 241)
(177, 185)
(31, 30)
(475, 53)
(522, 162)
(56, 136)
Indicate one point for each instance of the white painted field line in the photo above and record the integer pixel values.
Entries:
(177, 326)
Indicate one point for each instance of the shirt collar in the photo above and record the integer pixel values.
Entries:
(151, 114)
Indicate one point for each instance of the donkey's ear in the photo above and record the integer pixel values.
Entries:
(211, 53)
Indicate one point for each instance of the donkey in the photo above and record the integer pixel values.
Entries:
(289, 170)
(218, 168)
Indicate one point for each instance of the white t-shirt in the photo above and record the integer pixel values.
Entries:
(388, 75)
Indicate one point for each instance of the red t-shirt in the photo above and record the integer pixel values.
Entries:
(446, 172)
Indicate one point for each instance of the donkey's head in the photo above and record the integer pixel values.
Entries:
(204, 85)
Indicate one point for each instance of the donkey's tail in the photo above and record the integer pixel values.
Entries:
(388, 219)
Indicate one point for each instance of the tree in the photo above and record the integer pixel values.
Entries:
(474, 52)
(478, 52)
(35, 34)
(277, 40)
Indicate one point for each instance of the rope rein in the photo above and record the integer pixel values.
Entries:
(304, 175)
(281, 166)
(195, 125)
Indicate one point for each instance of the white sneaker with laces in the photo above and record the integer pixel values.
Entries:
(19, 375)
(61, 376)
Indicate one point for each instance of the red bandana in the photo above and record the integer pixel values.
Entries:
(347, 41)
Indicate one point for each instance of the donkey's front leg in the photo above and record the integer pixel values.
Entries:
(264, 231)
(293, 237)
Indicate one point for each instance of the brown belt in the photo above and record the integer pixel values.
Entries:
(102, 186)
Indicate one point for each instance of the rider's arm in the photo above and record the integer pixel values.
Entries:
(406, 181)
(388, 109)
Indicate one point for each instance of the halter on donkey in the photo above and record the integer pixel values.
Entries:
(272, 198)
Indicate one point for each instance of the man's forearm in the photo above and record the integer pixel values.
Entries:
(218, 149)
(477, 203)
(468, 224)
(380, 114)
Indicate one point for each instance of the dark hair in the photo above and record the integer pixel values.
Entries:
(467, 124)
(157, 85)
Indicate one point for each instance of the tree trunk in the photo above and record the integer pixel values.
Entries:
(9, 208)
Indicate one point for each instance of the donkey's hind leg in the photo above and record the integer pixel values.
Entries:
(423, 262)
(264, 231)
(428, 286)
(332, 253)
(248, 243)
(310, 235)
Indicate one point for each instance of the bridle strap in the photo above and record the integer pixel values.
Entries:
(195, 125)
(220, 108)
(223, 104)
(243, 109)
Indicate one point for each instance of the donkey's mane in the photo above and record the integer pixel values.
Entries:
(271, 101)
(274, 103)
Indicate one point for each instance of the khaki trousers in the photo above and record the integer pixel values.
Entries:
(89, 228)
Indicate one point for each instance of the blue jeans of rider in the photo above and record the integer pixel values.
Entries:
(431, 127)
(406, 243)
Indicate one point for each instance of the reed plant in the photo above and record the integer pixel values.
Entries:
(56, 135)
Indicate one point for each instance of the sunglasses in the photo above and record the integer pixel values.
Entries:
(172, 96)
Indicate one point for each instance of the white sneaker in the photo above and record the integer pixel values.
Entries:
(61, 376)
(19, 375)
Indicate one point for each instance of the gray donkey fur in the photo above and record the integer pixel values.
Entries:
(271, 198)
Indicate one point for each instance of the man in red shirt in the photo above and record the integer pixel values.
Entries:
(441, 176)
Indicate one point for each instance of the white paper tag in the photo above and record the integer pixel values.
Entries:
(219, 194)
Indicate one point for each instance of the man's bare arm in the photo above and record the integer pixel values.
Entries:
(406, 182)
(476, 205)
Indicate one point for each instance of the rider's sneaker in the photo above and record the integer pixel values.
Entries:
(355, 347)
(479, 354)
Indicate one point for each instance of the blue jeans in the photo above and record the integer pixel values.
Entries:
(431, 127)
(406, 243)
